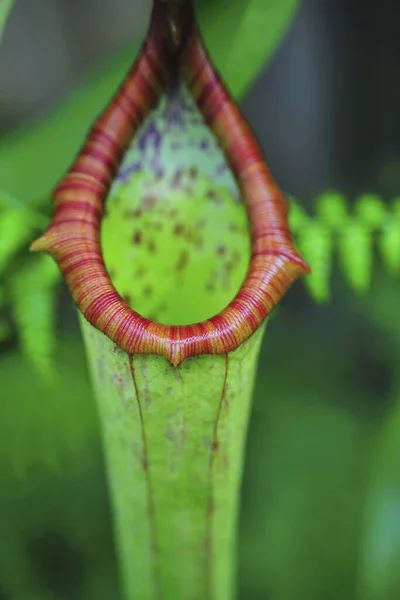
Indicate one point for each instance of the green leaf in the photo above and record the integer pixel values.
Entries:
(23, 171)
(254, 39)
(5, 9)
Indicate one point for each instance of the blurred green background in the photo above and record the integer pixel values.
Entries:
(321, 491)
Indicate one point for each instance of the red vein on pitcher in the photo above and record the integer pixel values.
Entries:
(209, 538)
(73, 237)
(149, 483)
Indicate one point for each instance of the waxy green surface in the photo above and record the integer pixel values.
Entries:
(174, 443)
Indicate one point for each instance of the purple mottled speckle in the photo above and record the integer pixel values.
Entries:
(175, 126)
(124, 174)
(151, 136)
(222, 168)
(159, 171)
(177, 114)
(178, 111)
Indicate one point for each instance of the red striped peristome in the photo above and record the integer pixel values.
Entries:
(173, 47)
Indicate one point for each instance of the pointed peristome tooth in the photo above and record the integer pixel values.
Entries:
(42, 244)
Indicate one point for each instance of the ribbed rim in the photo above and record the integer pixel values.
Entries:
(73, 237)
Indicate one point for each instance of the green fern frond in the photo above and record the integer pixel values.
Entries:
(32, 293)
(352, 236)
(5, 9)
(389, 247)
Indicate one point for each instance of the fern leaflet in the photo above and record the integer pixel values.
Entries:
(32, 294)
(352, 237)
(335, 233)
